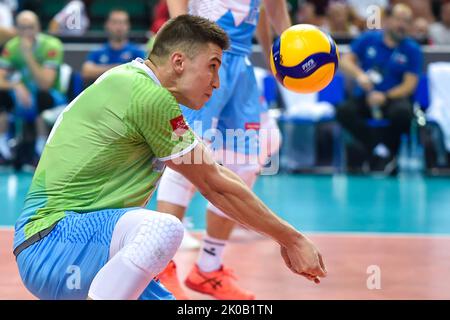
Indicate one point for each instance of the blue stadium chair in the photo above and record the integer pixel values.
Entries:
(71, 82)
(422, 94)
(378, 123)
(76, 85)
(270, 89)
(334, 93)
(434, 131)
(421, 100)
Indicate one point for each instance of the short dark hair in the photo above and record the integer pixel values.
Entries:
(188, 33)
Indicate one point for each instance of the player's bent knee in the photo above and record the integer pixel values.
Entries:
(156, 242)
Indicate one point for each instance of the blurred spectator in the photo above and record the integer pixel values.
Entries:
(35, 58)
(420, 8)
(419, 30)
(440, 31)
(338, 21)
(320, 6)
(160, 16)
(386, 65)
(306, 14)
(72, 20)
(118, 50)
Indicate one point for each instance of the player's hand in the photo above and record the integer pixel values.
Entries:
(364, 82)
(376, 99)
(303, 258)
(26, 45)
(23, 95)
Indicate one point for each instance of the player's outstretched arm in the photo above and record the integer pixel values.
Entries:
(177, 7)
(229, 193)
(264, 35)
(278, 15)
(6, 34)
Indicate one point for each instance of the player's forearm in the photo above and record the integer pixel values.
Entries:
(5, 85)
(278, 15)
(400, 91)
(264, 35)
(404, 89)
(93, 71)
(350, 67)
(230, 194)
(6, 34)
(177, 7)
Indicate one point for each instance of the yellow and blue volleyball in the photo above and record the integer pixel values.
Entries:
(304, 59)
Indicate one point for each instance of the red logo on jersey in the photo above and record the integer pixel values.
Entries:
(5, 53)
(179, 126)
(252, 126)
(52, 54)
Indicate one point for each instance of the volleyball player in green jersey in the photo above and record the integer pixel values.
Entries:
(84, 231)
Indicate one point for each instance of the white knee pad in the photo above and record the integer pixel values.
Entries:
(175, 188)
(155, 242)
(142, 244)
(248, 173)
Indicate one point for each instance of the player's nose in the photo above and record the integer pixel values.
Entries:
(216, 81)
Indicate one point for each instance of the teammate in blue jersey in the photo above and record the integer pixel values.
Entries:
(232, 122)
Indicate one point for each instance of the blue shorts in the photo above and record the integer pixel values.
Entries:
(63, 264)
(235, 105)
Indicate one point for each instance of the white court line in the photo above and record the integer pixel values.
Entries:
(361, 234)
(334, 233)
(378, 234)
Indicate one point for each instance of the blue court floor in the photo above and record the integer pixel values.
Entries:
(407, 204)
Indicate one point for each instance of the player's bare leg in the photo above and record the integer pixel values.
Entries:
(209, 275)
(171, 208)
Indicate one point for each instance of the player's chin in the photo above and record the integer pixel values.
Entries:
(196, 106)
(200, 103)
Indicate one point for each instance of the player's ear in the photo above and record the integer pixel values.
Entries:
(177, 60)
